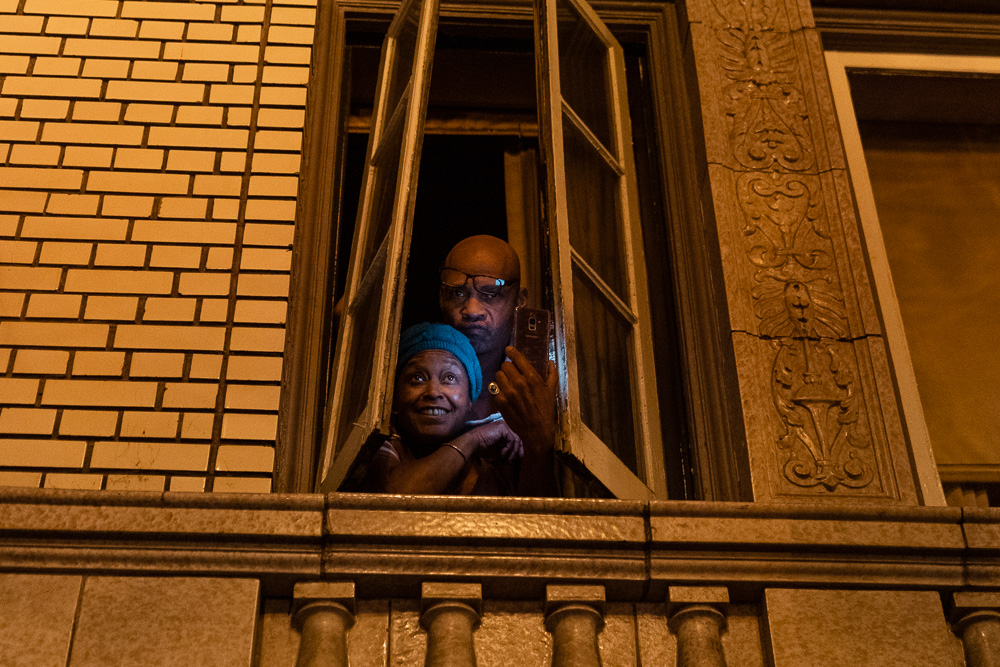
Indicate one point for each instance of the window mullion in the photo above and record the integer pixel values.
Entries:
(395, 124)
(587, 270)
(592, 139)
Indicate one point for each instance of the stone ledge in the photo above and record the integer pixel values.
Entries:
(514, 547)
(142, 514)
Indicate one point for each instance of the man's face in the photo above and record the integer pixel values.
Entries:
(486, 320)
(432, 398)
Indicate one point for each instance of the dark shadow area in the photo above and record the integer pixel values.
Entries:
(460, 193)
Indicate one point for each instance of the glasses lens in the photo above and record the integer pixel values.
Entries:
(453, 278)
(487, 285)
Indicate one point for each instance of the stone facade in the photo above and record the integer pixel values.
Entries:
(814, 380)
(150, 198)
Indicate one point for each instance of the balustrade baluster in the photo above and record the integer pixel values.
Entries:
(696, 618)
(324, 611)
(976, 620)
(450, 613)
(574, 615)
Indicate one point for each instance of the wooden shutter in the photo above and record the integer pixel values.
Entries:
(368, 332)
(610, 416)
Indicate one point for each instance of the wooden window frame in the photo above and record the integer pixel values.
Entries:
(715, 422)
(839, 65)
(344, 435)
(630, 303)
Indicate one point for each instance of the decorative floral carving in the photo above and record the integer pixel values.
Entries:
(813, 391)
(767, 110)
(799, 305)
(783, 215)
(796, 294)
(799, 309)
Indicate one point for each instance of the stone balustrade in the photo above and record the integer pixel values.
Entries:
(282, 580)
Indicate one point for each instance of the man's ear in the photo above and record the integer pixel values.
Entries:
(522, 297)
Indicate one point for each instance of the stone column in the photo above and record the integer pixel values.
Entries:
(324, 611)
(821, 417)
(976, 620)
(696, 617)
(574, 615)
(450, 613)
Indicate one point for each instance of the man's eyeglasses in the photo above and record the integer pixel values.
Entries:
(454, 285)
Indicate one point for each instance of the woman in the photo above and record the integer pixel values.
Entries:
(433, 448)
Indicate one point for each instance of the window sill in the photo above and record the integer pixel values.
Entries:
(514, 547)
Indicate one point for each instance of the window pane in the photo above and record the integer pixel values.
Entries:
(385, 161)
(361, 352)
(603, 372)
(406, 45)
(592, 197)
(583, 73)
(937, 191)
(386, 170)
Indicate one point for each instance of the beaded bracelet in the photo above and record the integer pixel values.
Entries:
(448, 444)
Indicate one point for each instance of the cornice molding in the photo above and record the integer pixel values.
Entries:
(865, 26)
(929, 6)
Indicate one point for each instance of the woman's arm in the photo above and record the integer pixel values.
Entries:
(443, 470)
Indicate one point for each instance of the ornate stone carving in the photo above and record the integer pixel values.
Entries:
(813, 391)
(799, 308)
(794, 294)
(784, 219)
(768, 112)
(797, 298)
(800, 305)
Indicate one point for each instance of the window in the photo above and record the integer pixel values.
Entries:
(583, 276)
(923, 138)
(369, 322)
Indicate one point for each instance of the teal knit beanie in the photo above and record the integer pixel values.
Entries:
(431, 336)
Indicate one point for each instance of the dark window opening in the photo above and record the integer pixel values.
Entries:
(482, 107)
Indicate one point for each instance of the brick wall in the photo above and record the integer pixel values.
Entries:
(149, 153)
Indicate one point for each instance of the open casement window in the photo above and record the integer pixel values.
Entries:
(360, 398)
(591, 246)
(608, 404)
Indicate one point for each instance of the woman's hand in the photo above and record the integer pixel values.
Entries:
(492, 440)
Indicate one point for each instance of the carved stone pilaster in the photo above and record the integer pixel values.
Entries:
(696, 617)
(324, 611)
(976, 620)
(450, 613)
(574, 615)
(820, 413)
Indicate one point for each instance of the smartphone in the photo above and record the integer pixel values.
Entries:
(531, 337)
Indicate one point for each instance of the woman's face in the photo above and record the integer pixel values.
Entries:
(432, 397)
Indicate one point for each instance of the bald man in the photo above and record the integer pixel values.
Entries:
(480, 290)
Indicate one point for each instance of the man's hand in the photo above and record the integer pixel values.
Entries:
(526, 401)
